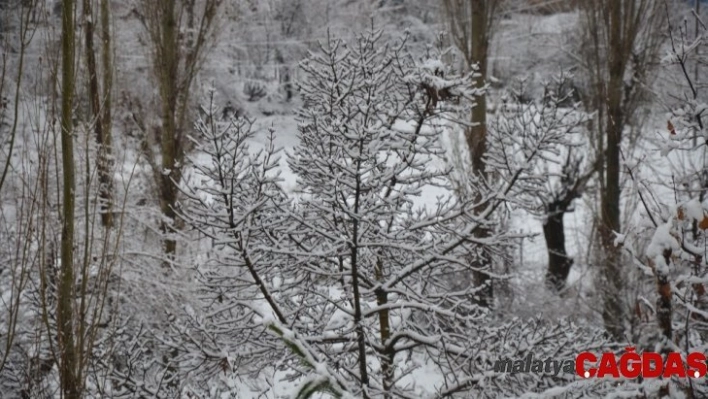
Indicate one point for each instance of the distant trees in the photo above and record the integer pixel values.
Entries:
(16, 233)
(21, 15)
(292, 18)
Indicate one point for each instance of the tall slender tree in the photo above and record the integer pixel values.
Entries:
(100, 104)
(68, 360)
(621, 39)
(471, 25)
(180, 33)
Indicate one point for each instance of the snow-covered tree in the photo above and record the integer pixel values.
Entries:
(234, 201)
(381, 238)
(384, 267)
(668, 239)
(471, 25)
(180, 34)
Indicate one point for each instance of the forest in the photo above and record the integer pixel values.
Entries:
(353, 199)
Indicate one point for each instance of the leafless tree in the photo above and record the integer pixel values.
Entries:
(15, 268)
(180, 32)
(68, 358)
(471, 25)
(100, 99)
(621, 40)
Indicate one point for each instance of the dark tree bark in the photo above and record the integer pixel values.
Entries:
(70, 381)
(101, 119)
(573, 184)
(559, 263)
(613, 312)
(663, 302)
(388, 353)
(476, 136)
(171, 134)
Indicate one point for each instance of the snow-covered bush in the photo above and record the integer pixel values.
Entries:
(668, 239)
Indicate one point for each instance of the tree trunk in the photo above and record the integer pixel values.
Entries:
(99, 123)
(171, 173)
(613, 310)
(105, 162)
(559, 263)
(476, 136)
(663, 302)
(68, 368)
(358, 315)
(385, 334)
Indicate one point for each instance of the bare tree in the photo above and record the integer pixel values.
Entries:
(70, 380)
(16, 267)
(180, 33)
(367, 135)
(100, 103)
(22, 12)
(621, 40)
(471, 25)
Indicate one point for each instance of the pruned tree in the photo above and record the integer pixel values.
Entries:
(563, 171)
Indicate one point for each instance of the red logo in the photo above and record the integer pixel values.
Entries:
(647, 365)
